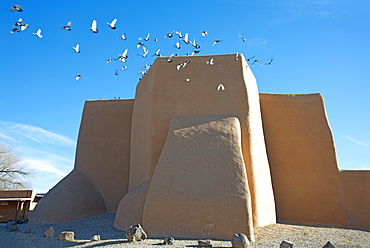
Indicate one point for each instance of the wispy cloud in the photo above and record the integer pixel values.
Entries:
(359, 142)
(33, 133)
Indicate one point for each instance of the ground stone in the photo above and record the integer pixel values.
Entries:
(49, 233)
(66, 236)
(95, 238)
(329, 245)
(240, 241)
(204, 243)
(286, 244)
(136, 233)
(13, 228)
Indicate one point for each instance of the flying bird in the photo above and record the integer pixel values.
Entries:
(242, 37)
(210, 62)
(157, 53)
(94, 26)
(116, 72)
(24, 26)
(108, 61)
(123, 37)
(215, 42)
(146, 66)
(145, 52)
(17, 8)
(142, 72)
(124, 67)
(250, 58)
(67, 27)
(204, 33)
(237, 56)
(138, 45)
(177, 45)
(155, 40)
(186, 38)
(169, 35)
(14, 30)
(78, 76)
(38, 33)
(123, 55)
(195, 45)
(179, 34)
(146, 38)
(77, 48)
(220, 87)
(269, 63)
(18, 23)
(169, 59)
(112, 24)
(178, 67)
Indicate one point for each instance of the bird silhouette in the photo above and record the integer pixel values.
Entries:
(17, 8)
(124, 67)
(146, 38)
(94, 26)
(18, 23)
(220, 87)
(123, 55)
(157, 53)
(24, 26)
(210, 62)
(77, 48)
(186, 38)
(177, 45)
(169, 35)
(116, 72)
(139, 44)
(242, 37)
(179, 34)
(78, 76)
(112, 24)
(67, 27)
(195, 45)
(38, 33)
(123, 37)
(14, 30)
(108, 61)
(145, 52)
(216, 41)
(204, 33)
(269, 63)
(169, 59)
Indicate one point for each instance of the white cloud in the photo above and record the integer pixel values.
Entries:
(44, 166)
(33, 133)
(359, 142)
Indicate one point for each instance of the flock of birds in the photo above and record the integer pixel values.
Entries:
(183, 39)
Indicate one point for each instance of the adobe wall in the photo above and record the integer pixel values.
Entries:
(100, 177)
(308, 186)
(165, 92)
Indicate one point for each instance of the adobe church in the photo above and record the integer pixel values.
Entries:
(200, 153)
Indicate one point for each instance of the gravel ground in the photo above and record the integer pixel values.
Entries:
(268, 236)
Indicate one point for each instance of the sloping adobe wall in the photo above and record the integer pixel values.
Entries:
(308, 186)
(101, 174)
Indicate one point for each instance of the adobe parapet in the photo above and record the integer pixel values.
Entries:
(200, 153)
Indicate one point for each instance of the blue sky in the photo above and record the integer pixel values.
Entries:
(318, 46)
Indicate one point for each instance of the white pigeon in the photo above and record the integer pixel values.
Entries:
(24, 26)
(220, 87)
(14, 30)
(112, 24)
(204, 33)
(77, 48)
(18, 23)
(138, 45)
(124, 67)
(78, 76)
(157, 53)
(124, 54)
(242, 37)
(215, 42)
(210, 62)
(17, 8)
(186, 38)
(179, 34)
(195, 45)
(94, 26)
(169, 59)
(177, 45)
(145, 52)
(178, 67)
(185, 63)
(123, 37)
(38, 33)
(108, 61)
(67, 27)
(146, 38)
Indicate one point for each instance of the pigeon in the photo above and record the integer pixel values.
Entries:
(123, 37)
(78, 76)
(139, 44)
(111, 25)
(179, 34)
(146, 66)
(146, 38)
(14, 30)
(67, 27)
(38, 33)
(178, 67)
(186, 62)
(187, 80)
(94, 26)
(108, 61)
(124, 67)
(124, 54)
(220, 87)
(195, 45)
(210, 62)
(195, 51)
(242, 37)
(169, 35)
(186, 39)
(18, 23)
(155, 40)
(142, 72)
(24, 26)
(177, 45)
(17, 8)
(215, 42)
(204, 33)
(116, 72)
(237, 56)
(77, 48)
(145, 52)
(250, 58)
(157, 53)
(269, 63)
(169, 59)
